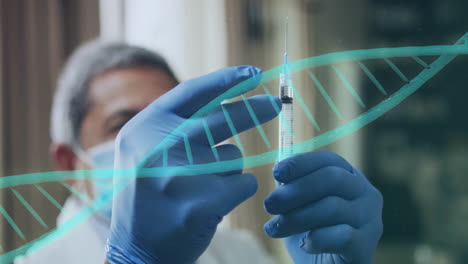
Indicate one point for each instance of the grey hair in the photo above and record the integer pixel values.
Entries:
(71, 102)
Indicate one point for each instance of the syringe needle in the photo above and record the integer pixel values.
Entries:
(286, 39)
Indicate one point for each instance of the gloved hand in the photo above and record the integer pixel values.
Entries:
(326, 210)
(173, 219)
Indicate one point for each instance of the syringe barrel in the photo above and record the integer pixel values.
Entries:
(286, 93)
(285, 131)
(286, 122)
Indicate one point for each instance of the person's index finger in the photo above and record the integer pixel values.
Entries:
(192, 95)
(305, 163)
(241, 118)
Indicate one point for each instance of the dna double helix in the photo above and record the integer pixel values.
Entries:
(430, 60)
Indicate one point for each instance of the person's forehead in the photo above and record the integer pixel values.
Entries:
(142, 83)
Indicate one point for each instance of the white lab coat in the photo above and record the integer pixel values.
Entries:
(86, 242)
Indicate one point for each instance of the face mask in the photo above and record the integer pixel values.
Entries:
(101, 157)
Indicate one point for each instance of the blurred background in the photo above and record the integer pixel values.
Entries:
(416, 154)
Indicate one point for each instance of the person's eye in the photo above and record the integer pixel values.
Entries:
(117, 125)
(116, 128)
(118, 121)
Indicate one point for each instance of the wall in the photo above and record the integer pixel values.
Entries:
(35, 38)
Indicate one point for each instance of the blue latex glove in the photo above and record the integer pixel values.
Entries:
(327, 211)
(173, 219)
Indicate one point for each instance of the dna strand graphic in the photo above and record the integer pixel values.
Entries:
(430, 60)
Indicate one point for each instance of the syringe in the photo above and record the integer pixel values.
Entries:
(286, 96)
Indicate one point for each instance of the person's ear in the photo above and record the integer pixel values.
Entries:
(63, 157)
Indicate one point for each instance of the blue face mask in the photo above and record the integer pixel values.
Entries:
(101, 157)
